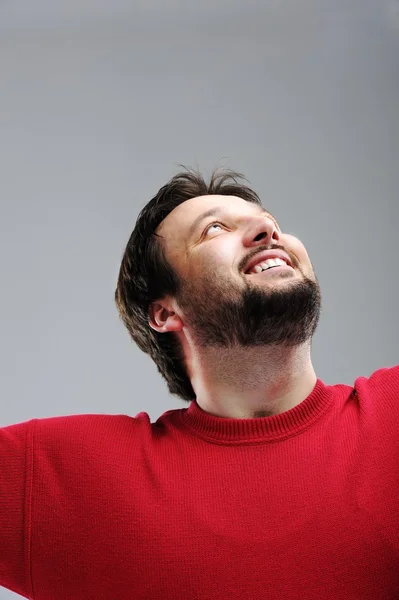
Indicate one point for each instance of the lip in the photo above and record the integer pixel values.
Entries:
(272, 271)
(262, 256)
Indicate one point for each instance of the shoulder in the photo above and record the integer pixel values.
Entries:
(386, 378)
(382, 383)
(84, 428)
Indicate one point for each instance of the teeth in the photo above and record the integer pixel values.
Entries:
(263, 266)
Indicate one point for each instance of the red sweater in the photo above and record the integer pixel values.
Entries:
(300, 505)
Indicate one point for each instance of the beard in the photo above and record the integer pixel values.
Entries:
(280, 313)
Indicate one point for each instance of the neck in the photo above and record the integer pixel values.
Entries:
(246, 383)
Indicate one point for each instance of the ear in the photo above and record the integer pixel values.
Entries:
(163, 318)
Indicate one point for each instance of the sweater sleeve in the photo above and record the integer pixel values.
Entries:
(16, 472)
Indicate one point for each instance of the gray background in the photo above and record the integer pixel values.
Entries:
(100, 102)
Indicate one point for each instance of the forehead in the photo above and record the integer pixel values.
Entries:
(182, 218)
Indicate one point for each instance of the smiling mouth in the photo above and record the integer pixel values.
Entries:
(267, 265)
(266, 271)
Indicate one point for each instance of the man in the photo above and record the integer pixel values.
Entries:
(270, 484)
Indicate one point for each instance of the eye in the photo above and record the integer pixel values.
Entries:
(212, 225)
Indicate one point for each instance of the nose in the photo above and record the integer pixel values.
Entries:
(262, 231)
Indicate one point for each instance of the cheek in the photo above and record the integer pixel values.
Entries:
(201, 266)
(214, 265)
(294, 245)
(217, 254)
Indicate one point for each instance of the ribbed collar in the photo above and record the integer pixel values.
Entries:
(262, 429)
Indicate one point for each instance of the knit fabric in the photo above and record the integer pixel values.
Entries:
(299, 505)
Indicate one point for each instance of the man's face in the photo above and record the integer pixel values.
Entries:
(221, 303)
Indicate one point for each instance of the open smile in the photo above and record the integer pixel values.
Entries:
(275, 269)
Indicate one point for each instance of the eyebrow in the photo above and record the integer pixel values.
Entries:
(217, 211)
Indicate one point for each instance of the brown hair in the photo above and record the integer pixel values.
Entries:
(145, 274)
